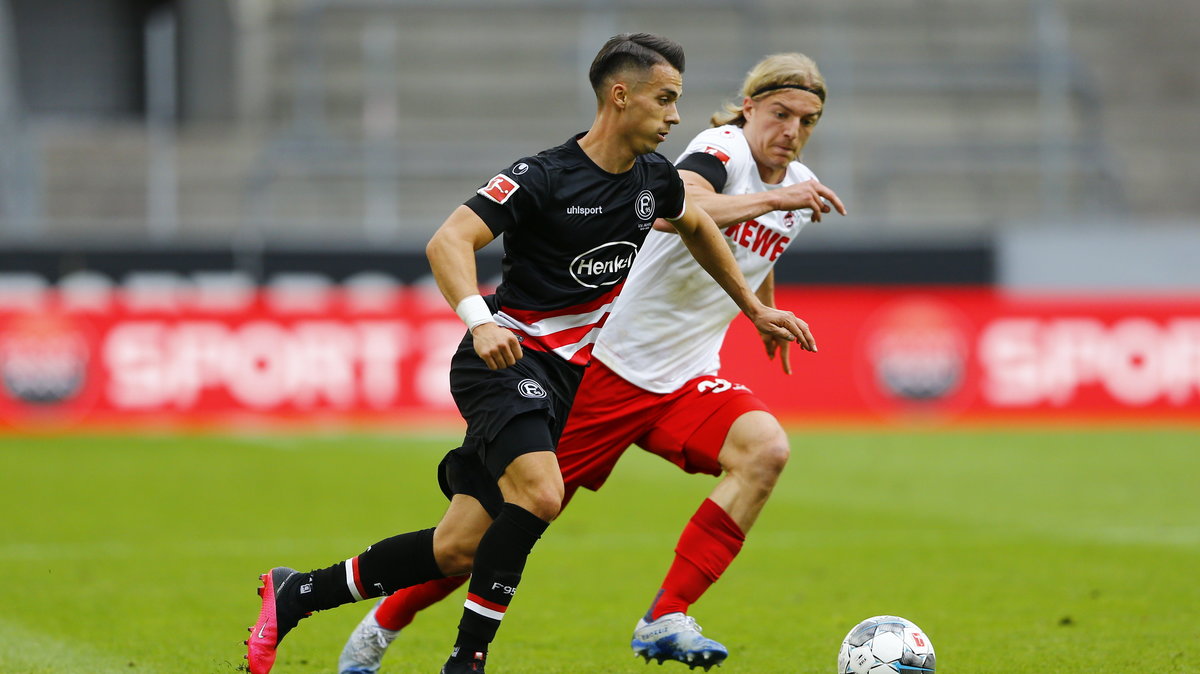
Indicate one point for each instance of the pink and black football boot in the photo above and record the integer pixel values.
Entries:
(279, 614)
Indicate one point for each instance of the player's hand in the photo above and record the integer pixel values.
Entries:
(774, 344)
(808, 194)
(498, 347)
(784, 326)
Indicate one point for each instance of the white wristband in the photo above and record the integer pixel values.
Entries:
(474, 311)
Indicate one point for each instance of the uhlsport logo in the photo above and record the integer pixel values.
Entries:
(531, 389)
(644, 206)
(604, 265)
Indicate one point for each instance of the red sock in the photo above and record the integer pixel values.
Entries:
(399, 609)
(706, 547)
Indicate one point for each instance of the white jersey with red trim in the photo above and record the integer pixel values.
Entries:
(668, 326)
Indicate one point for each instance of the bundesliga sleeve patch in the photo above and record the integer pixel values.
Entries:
(716, 152)
(499, 189)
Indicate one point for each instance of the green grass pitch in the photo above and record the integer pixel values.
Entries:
(1016, 550)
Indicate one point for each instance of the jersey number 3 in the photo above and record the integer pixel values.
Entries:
(718, 385)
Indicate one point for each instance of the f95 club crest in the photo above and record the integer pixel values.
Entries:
(644, 205)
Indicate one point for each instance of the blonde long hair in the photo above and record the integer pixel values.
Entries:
(789, 70)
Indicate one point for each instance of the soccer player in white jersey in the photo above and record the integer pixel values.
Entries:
(653, 378)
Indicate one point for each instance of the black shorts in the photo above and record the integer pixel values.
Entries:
(539, 386)
(467, 472)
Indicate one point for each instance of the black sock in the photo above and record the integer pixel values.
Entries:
(499, 562)
(389, 565)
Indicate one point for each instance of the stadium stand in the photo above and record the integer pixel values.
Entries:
(366, 121)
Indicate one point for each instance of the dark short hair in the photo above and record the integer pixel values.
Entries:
(640, 50)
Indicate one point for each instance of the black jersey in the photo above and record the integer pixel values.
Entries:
(571, 232)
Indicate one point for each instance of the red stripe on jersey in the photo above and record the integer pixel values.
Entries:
(499, 608)
(561, 330)
(581, 357)
(566, 337)
(563, 339)
(529, 317)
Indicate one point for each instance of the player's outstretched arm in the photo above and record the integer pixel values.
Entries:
(451, 254)
(704, 241)
(766, 295)
(730, 209)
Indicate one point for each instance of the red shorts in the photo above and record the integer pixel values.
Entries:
(686, 427)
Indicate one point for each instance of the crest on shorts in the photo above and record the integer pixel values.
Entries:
(531, 389)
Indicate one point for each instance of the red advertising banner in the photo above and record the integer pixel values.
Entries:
(974, 354)
(294, 356)
(885, 354)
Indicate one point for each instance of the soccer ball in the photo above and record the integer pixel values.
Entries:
(885, 644)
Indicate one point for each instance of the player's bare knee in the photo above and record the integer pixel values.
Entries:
(544, 501)
(764, 470)
(760, 459)
(538, 491)
(542, 498)
(771, 456)
(454, 557)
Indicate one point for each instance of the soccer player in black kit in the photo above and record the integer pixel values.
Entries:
(573, 218)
